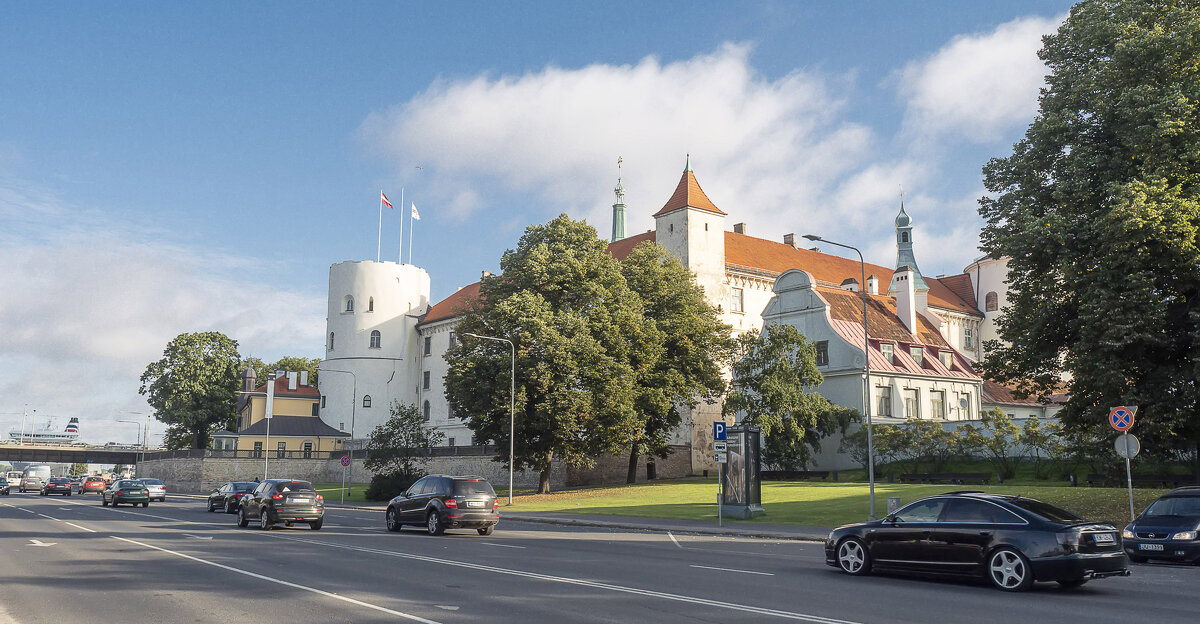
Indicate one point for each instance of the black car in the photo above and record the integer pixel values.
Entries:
(57, 485)
(282, 500)
(229, 496)
(1011, 541)
(440, 502)
(4, 487)
(128, 491)
(1168, 528)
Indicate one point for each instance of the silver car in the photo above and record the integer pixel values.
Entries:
(157, 489)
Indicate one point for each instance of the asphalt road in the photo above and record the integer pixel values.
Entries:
(174, 562)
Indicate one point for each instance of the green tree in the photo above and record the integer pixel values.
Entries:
(286, 363)
(771, 372)
(193, 387)
(79, 469)
(580, 338)
(398, 450)
(997, 439)
(1098, 210)
(694, 344)
(1045, 444)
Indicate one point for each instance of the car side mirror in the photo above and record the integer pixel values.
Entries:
(891, 519)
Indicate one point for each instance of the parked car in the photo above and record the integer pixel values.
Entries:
(158, 489)
(92, 484)
(282, 500)
(229, 496)
(4, 487)
(126, 491)
(1168, 529)
(440, 502)
(56, 485)
(1011, 541)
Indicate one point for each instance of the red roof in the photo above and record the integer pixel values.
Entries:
(454, 305)
(281, 390)
(688, 193)
(961, 286)
(1003, 395)
(622, 248)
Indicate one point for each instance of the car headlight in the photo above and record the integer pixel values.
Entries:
(1184, 536)
(1127, 534)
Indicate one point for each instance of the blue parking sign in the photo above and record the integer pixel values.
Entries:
(718, 431)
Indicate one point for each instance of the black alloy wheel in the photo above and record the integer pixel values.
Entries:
(242, 520)
(264, 521)
(433, 523)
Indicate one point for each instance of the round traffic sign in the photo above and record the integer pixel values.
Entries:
(345, 460)
(1127, 445)
(1121, 418)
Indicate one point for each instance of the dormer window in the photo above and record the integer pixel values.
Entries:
(886, 349)
(946, 358)
(918, 354)
(349, 303)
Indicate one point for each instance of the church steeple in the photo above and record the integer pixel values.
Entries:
(618, 218)
(904, 246)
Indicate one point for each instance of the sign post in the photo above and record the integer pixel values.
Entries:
(1121, 418)
(722, 458)
(345, 463)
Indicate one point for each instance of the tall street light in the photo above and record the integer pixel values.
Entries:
(512, 409)
(866, 366)
(139, 426)
(145, 431)
(353, 411)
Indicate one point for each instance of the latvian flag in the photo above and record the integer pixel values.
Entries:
(383, 198)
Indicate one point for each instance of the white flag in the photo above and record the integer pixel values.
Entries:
(415, 215)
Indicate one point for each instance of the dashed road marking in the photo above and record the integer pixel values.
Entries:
(731, 570)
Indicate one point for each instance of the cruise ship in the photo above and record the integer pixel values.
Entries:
(47, 434)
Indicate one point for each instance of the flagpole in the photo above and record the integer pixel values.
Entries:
(400, 251)
(410, 233)
(379, 238)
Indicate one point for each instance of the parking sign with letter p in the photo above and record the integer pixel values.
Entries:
(718, 430)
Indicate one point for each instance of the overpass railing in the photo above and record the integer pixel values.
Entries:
(437, 451)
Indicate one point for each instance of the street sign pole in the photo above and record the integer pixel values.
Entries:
(1129, 478)
(719, 443)
(343, 485)
(1122, 418)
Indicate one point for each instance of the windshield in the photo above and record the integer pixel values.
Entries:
(1174, 506)
(152, 482)
(294, 486)
(123, 484)
(1045, 510)
(473, 487)
(244, 487)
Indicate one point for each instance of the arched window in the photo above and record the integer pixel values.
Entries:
(331, 341)
(904, 237)
(426, 410)
(349, 303)
(366, 400)
(371, 304)
(375, 339)
(990, 302)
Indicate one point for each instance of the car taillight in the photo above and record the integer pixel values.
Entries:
(239, 495)
(277, 496)
(319, 497)
(121, 492)
(451, 503)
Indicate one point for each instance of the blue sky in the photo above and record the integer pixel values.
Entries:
(167, 168)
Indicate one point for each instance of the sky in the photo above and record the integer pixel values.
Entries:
(172, 167)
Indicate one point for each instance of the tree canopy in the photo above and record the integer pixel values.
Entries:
(1097, 208)
(193, 387)
(286, 363)
(401, 444)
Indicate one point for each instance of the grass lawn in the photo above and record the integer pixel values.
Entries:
(814, 503)
(333, 492)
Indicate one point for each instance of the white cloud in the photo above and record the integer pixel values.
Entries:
(978, 85)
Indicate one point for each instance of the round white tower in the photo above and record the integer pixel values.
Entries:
(369, 338)
(990, 276)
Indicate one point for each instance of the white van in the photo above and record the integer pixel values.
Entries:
(13, 477)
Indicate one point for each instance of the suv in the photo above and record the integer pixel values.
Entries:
(282, 500)
(440, 502)
(1167, 529)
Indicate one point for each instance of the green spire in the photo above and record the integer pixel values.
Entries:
(688, 164)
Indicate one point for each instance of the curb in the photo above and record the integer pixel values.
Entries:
(716, 531)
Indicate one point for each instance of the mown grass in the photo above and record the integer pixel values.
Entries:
(333, 492)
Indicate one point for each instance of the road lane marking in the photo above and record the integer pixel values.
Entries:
(80, 527)
(49, 517)
(501, 545)
(789, 615)
(673, 539)
(269, 579)
(197, 536)
(731, 570)
(41, 543)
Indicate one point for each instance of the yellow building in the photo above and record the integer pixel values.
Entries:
(295, 428)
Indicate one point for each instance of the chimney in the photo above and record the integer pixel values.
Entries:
(906, 297)
(291, 375)
(872, 284)
(304, 378)
(739, 228)
(790, 240)
(486, 274)
(850, 284)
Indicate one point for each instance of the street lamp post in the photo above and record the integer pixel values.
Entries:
(145, 431)
(512, 409)
(139, 426)
(866, 367)
(353, 411)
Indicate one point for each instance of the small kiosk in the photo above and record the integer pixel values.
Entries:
(741, 484)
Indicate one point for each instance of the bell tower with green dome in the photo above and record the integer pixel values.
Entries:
(904, 249)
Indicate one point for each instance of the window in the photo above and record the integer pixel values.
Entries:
(822, 352)
(923, 511)
(450, 412)
(450, 442)
(316, 409)
(307, 450)
(322, 401)
(376, 338)
(453, 340)
(937, 404)
(331, 341)
(918, 355)
(280, 449)
(428, 345)
(884, 407)
(349, 303)
(425, 410)
(979, 512)
(886, 349)
(425, 380)
(912, 408)
(371, 304)
(946, 358)
(904, 237)
(991, 302)
(341, 426)
(968, 338)
(258, 449)
(366, 400)
(737, 303)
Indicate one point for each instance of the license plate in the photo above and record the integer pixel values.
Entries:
(299, 500)
(1104, 538)
(1150, 546)
(474, 503)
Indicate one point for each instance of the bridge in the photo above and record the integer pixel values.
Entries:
(69, 453)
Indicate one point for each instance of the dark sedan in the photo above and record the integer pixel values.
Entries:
(57, 485)
(127, 491)
(1011, 541)
(229, 496)
(285, 501)
(1168, 529)
(4, 487)
(440, 502)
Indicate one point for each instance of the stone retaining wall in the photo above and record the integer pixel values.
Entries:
(613, 469)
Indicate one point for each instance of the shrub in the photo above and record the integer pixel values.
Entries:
(386, 486)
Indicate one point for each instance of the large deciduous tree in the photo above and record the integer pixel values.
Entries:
(694, 345)
(286, 363)
(771, 372)
(193, 387)
(581, 341)
(1098, 210)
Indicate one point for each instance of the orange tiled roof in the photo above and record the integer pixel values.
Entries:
(452, 306)
(961, 286)
(281, 390)
(688, 193)
(883, 321)
(621, 249)
(1003, 395)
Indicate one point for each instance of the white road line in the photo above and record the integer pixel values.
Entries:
(49, 517)
(673, 539)
(804, 617)
(501, 545)
(314, 590)
(732, 570)
(80, 527)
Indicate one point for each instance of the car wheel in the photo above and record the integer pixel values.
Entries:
(103, 501)
(316, 525)
(853, 558)
(1072, 583)
(242, 520)
(433, 523)
(1009, 570)
(230, 508)
(264, 520)
(146, 504)
(210, 507)
(114, 503)
(487, 530)
(393, 522)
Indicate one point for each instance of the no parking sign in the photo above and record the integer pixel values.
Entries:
(1121, 417)
(345, 460)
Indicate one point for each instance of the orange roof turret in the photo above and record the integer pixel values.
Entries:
(688, 194)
